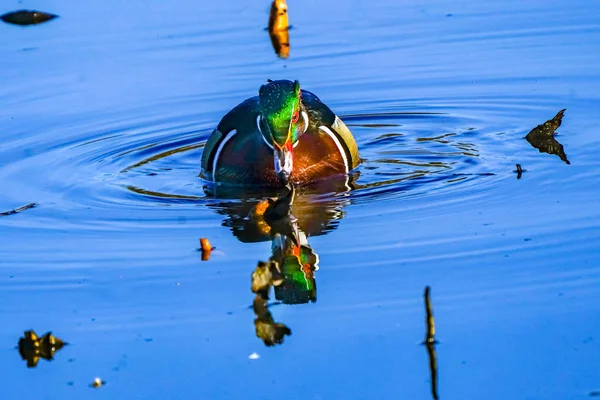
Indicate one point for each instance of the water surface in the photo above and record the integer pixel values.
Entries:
(105, 112)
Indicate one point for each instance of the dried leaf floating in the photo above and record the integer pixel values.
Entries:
(206, 248)
(278, 17)
(542, 137)
(279, 28)
(27, 17)
(32, 347)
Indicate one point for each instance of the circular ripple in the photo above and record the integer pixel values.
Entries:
(138, 166)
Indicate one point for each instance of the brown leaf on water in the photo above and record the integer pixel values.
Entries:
(206, 248)
(278, 17)
(279, 28)
(32, 347)
(27, 17)
(542, 137)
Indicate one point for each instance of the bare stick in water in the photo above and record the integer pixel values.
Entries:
(18, 210)
(430, 334)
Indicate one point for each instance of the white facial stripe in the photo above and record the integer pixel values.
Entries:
(338, 144)
(261, 132)
(218, 153)
(305, 118)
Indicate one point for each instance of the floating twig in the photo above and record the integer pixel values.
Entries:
(430, 323)
(519, 171)
(18, 210)
(27, 17)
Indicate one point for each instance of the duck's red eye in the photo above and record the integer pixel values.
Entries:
(295, 117)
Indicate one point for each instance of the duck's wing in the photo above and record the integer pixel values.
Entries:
(323, 121)
(235, 144)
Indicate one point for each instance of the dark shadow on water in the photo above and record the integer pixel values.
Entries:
(542, 137)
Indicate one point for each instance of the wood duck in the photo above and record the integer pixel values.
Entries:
(283, 135)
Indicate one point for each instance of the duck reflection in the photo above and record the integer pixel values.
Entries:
(542, 137)
(287, 221)
(265, 276)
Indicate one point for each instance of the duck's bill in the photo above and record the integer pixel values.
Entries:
(284, 162)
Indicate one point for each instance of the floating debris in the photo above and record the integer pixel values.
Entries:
(279, 28)
(97, 383)
(32, 347)
(542, 137)
(430, 343)
(429, 321)
(519, 171)
(27, 17)
(206, 248)
(18, 210)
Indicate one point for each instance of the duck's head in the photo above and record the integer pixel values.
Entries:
(284, 119)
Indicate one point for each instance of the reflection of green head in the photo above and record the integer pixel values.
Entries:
(299, 284)
(280, 106)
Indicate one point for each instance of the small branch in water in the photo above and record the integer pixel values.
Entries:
(18, 210)
(519, 171)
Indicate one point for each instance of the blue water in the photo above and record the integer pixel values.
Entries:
(105, 112)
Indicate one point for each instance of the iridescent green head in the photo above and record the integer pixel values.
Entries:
(280, 106)
(282, 113)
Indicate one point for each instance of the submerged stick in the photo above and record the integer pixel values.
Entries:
(18, 210)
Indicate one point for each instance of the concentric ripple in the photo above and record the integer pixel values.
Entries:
(405, 154)
(139, 166)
